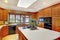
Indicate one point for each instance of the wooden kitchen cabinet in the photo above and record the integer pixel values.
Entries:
(56, 23)
(56, 10)
(47, 12)
(44, 13)
(4, 31)
(3, 15)
(56, 17)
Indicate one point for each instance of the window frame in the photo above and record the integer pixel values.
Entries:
(20, 18)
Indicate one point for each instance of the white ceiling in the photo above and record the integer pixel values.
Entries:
(25, 3)
(34, 7)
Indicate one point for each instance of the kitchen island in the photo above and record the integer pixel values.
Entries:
(39, 34)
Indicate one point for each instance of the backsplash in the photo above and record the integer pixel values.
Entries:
(1, 22)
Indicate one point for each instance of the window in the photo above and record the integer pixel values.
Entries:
(41, 19)
(27, 19)
(22, 18)
(17, 18)
(14, 18)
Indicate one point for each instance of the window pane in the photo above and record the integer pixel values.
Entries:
(41, 20)
(22, 18)
(26, 19)
(12, 18)
(17, 18)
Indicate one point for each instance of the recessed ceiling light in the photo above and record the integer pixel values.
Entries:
(25, 3)
(6, 1)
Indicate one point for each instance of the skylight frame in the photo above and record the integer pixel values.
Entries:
(25, 3)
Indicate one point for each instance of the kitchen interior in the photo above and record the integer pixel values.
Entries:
(23, 20)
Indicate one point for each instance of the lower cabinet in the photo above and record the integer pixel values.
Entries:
(3, 14)
(4, 31)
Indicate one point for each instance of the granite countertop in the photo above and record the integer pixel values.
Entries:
(40, 34)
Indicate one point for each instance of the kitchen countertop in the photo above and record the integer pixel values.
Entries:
(7, 25)
(2, 26)
(40, 34)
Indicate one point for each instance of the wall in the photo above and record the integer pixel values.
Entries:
(54, 12)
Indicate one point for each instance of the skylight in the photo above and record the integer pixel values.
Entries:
(25, 3)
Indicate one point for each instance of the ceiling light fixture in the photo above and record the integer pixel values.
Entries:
(25, 3)
(6, 1)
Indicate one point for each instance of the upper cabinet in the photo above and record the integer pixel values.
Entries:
(45, 12)
(56, 10)
(3, 15)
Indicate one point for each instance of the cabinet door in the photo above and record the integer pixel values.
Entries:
(1, 15)
(4, 31)
(56, 23)
(56, 11)
(47, 12)
(5, 15)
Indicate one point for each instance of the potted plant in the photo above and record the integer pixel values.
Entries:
(33, 24)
